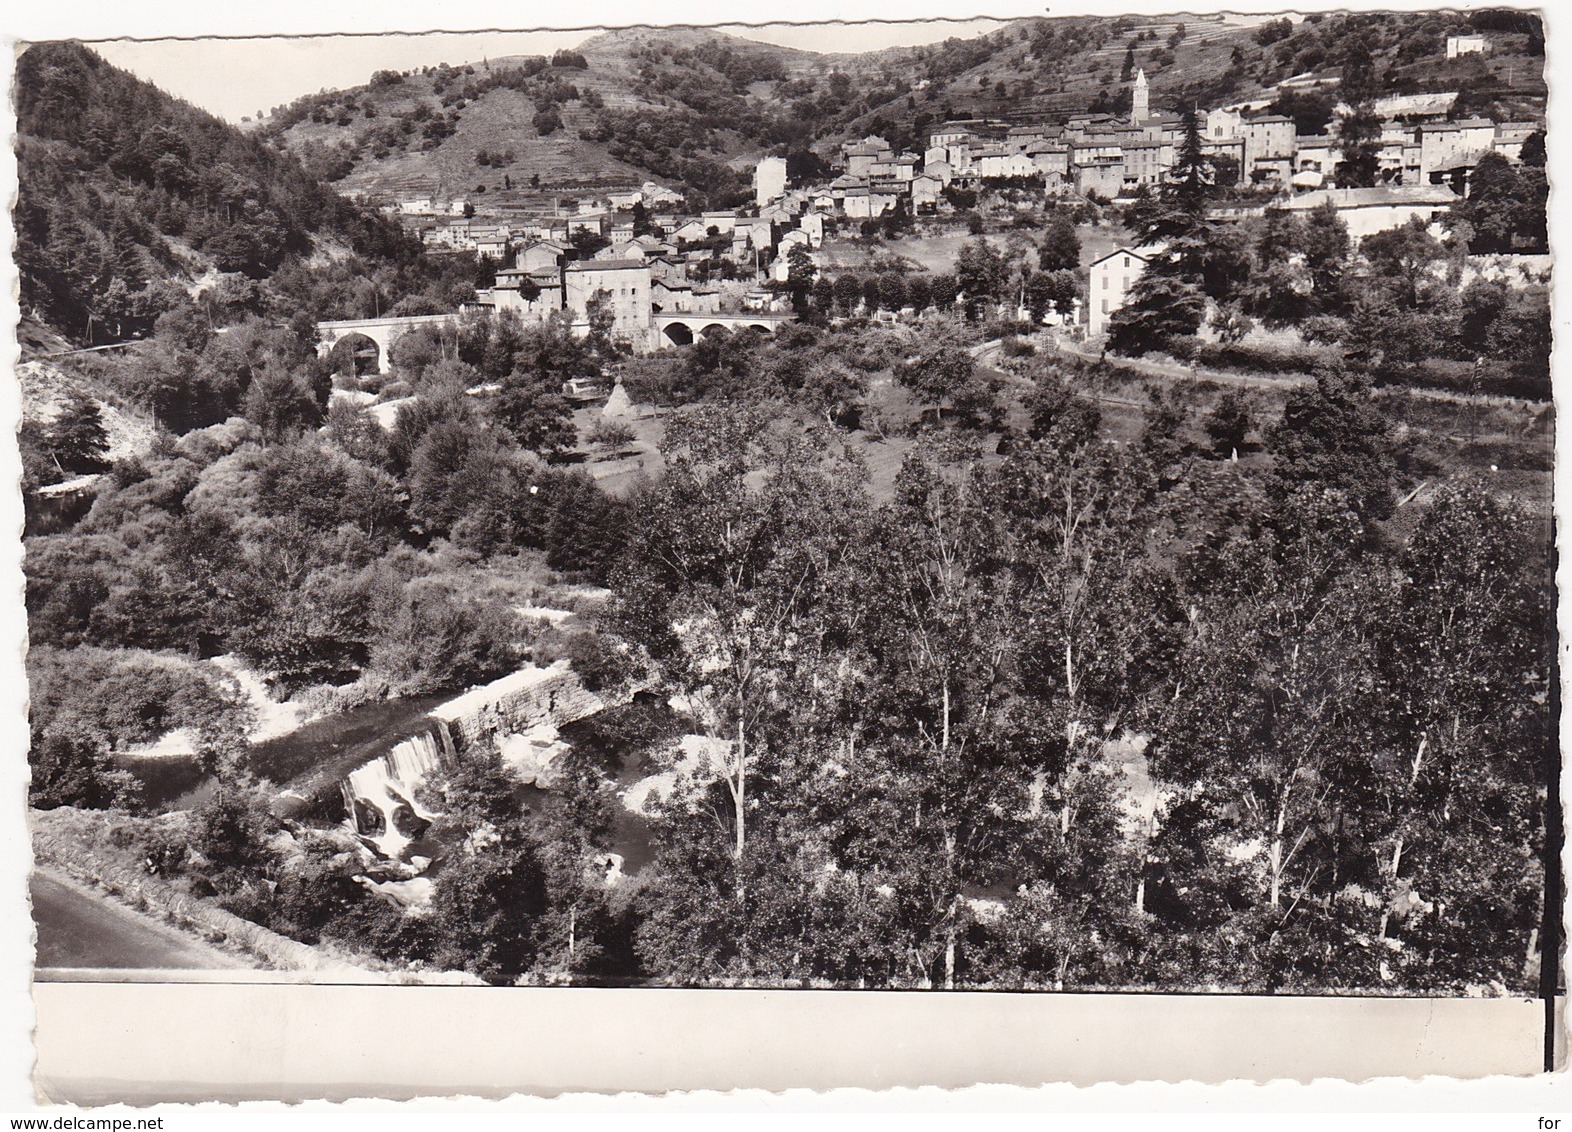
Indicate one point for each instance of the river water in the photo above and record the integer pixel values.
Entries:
(308, 764)
(309, 761)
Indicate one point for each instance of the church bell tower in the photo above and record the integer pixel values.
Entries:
(1140, 100)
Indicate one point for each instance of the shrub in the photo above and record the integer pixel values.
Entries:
(612, 434)
(1006, 329)
(1264, 359)
(430, 639)
(599, 661)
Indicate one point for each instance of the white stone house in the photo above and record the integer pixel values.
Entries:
(1110, 280)
(1368, 211)
(1457, 45)
(812, 224)
(626, 286)
(926, 190)
(690, 230)
(943, 170)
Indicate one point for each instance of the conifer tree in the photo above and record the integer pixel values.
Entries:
(1169, 300)
(77, 439)
(1359, 131)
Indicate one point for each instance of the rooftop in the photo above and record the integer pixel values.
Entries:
(1144, 255)
(1373, 197)
(609, 265)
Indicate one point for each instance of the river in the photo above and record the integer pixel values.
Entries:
(310, 761)
(308, 765)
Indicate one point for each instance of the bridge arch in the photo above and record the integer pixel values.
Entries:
(381, 332)
(356, 354)
(682, 328)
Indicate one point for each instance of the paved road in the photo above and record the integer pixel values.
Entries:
(77, 928)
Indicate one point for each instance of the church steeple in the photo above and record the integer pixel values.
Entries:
(1140, 100)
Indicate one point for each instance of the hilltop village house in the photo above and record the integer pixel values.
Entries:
(1109, 281)
(625, 283)
(1368, 211)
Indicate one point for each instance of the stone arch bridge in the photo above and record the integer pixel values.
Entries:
(679, 328)
(369, 338)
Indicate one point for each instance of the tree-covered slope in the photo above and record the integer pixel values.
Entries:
(1044, 69)
(126, 193)
(688, 107)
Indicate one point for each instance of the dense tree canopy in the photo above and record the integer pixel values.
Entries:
(104, 195)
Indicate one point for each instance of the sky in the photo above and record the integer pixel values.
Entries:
(234, 78)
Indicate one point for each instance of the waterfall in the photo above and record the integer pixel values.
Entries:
(409, 762)
(388, 785)
(519, 712)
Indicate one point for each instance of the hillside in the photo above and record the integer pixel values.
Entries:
(128, 194)
(691, 106)
(681, 105)
(462, 130)
(1045, 69)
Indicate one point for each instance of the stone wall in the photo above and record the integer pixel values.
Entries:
(522, 701)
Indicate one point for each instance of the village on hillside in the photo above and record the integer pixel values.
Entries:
(962, 516)
(636, 247)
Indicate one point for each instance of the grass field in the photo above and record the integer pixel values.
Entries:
(617, 472)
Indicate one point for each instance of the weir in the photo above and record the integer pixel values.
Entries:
(387, 785)
(519, 706)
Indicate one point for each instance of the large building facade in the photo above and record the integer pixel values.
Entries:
(769, 180)
(1110, 280)
(622, 284)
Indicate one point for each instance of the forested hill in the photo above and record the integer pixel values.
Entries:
(692, 108)
(127, 194)
(1043, 69)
